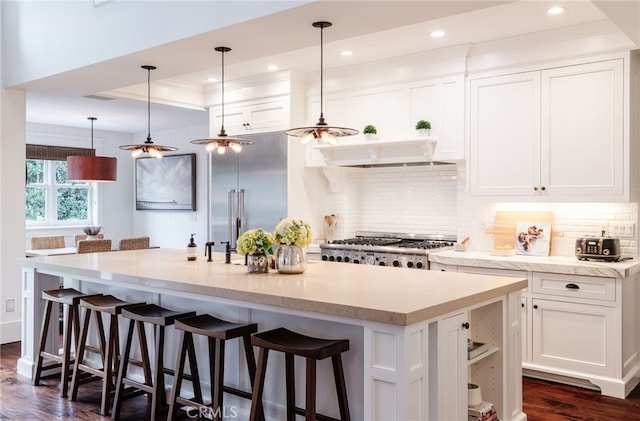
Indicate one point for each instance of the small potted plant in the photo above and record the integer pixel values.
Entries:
(423, 127)
(369, 131)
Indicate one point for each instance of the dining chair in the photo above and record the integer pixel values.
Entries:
(93, 246)
(79, 237)
(133, 243)
(47, 242)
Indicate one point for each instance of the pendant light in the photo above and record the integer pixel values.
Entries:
(148, 146)
(223, 141)
(91, 168)
(321, 131)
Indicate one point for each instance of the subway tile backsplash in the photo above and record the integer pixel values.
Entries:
(432, 199)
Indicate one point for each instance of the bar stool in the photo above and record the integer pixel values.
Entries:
(69, 298)
(218, 332)
(109, 348)
(313, 349)
(159, 318)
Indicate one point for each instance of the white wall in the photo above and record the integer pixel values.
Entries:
(172, 228)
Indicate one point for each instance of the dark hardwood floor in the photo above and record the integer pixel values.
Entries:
(543, 401)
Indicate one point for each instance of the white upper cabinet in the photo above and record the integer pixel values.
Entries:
(504, 147)
(258, 116)
(555, 134)
(582, 130)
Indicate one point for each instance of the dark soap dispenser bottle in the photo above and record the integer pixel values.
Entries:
(192, 249)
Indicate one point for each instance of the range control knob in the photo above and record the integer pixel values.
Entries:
(339, 259)
(396, 263)
(382, 264)
(356, 261)
(332, 259)
(346, 259)
(324, 257)
(409, 264)
(419, 265)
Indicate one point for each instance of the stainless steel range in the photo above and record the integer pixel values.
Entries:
(386, 249)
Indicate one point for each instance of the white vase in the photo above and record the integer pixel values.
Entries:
(369, 136)
(424, 132)
(291, 259)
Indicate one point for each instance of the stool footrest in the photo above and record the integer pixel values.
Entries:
(319, 417)
(237, 392)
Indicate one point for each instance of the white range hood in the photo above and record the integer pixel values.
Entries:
(378, 152)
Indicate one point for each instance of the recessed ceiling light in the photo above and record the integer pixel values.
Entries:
(272, 67)
(437, 33)
(555, 10)
(346, 53)
(210, 79)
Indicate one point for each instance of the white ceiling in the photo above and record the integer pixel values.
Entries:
(373, 30)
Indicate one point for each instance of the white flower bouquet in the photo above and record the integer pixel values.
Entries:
(255, 241)
(293, 232)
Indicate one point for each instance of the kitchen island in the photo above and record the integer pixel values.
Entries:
(408, 329)
(580, 319)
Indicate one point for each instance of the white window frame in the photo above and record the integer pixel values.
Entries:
(51, 199)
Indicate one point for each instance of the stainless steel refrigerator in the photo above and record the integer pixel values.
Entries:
(247, 190)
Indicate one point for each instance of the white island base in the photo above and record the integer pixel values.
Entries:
(408, 329)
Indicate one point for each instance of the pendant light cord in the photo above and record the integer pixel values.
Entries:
(222, 124)
(149, 105)
(322, 73)
(92, 118)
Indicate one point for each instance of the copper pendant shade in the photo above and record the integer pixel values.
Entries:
(321, 131)
(223, 141)
(148, 146)
(91, 168)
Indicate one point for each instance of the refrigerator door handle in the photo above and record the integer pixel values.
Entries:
(240, 215)
(230, 196)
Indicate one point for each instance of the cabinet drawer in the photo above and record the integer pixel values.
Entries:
(575, 286)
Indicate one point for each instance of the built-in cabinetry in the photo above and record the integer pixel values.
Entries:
(558, 133)
(257, 116)
(455, 370)
(394, 111)
(579, 329)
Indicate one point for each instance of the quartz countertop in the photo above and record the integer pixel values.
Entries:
(551, 264)
(381, 294)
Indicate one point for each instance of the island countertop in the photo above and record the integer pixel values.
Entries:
(380, 294)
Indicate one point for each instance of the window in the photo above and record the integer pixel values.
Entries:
(53, 200)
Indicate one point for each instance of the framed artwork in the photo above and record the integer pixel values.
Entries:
(168, 183)
(533, 238)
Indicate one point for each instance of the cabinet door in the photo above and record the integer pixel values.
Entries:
(452, 368)
(573, 336)
(504, 136)
(441, 101)
(255, 117)
(524, 306)
(582, 130)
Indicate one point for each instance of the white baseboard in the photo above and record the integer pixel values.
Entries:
(10, 331)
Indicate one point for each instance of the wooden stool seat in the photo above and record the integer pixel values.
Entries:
(70, 298)
(109, 348)
(217, 331)
(153, 385)
(312, 349)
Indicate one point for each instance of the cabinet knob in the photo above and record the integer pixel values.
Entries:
(535, 306)
(572, 286)
(522, 305)
(543, 188)
(535, 188)
(465, 325)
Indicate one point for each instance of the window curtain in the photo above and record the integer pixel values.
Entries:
(56, 153)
